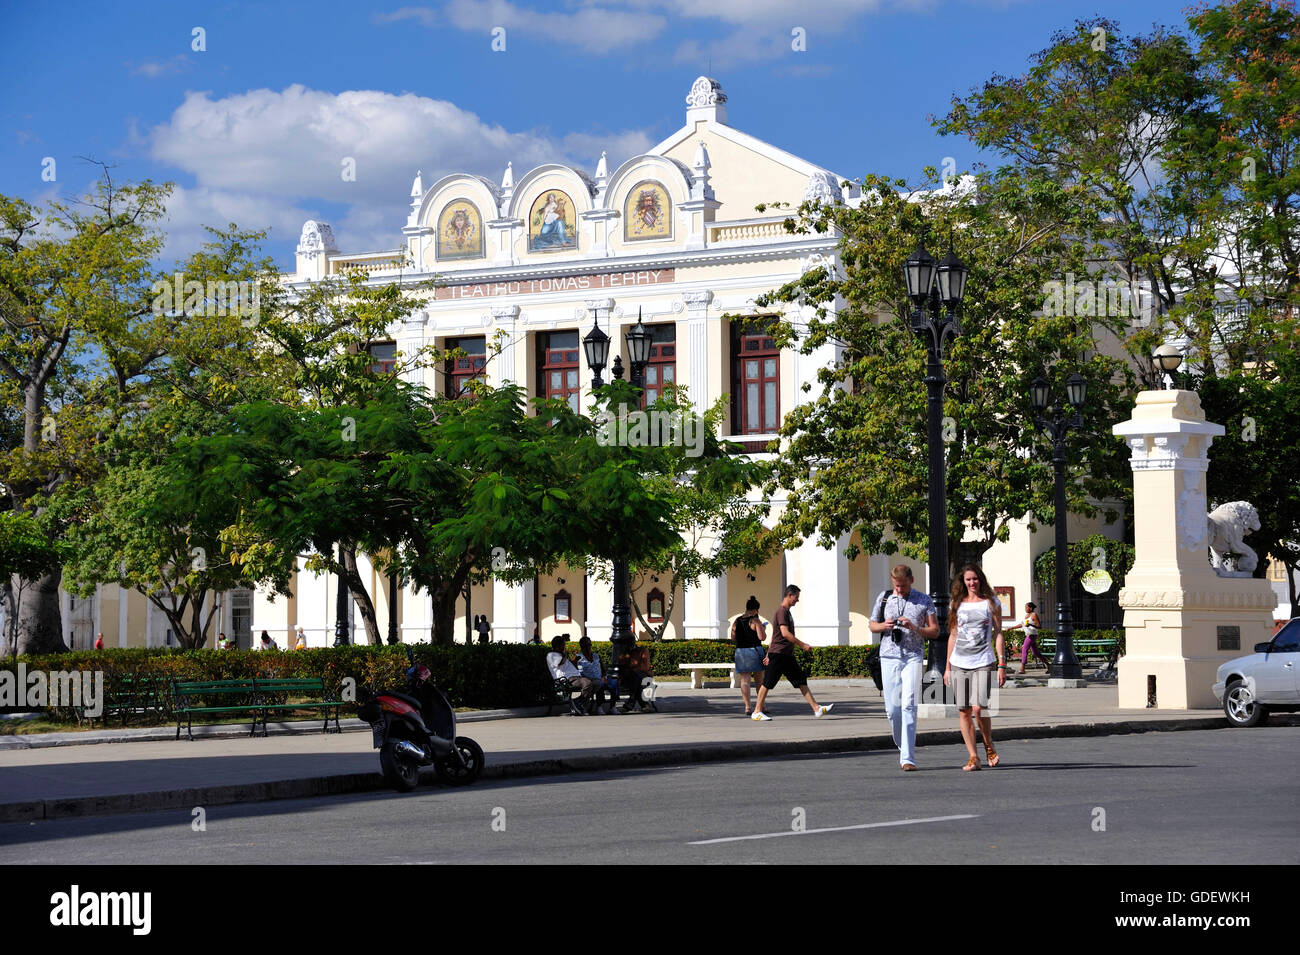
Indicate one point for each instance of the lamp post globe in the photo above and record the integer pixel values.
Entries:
(1166, 359)
(919, 271)
(596, 346)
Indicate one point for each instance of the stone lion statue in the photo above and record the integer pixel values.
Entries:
(1228, 525)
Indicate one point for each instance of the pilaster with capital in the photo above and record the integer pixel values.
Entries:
(697, 347)
(505, 318)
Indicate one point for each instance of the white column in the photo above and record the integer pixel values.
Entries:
(822, 575)
(704, 610)
(123, 615)
(512, 612)
(506, 318)
(697, 347)
(599, 624)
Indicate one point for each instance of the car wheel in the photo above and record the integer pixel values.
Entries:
(1239, 706)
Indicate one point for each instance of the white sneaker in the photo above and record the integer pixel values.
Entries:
(760, 716)
(823, 710)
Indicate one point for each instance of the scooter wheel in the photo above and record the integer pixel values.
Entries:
(399, 772)
(452, 773)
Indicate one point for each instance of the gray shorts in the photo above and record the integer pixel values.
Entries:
(972, 687)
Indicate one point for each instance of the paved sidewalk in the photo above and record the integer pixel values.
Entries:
(47, 782)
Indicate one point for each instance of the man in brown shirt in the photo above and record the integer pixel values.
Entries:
(780, 658)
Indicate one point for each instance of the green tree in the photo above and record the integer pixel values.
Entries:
(857, 455)
(78, 342)
(1254, 460)
(443, 492)
(1182, 153)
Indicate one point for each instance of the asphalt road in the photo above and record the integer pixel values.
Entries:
(1223, 796)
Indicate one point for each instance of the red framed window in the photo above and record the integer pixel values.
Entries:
(563, 607)
(654, 602)
(461, 371)
(662, 368)
(557, 365)
(755, 382)
(384, 355)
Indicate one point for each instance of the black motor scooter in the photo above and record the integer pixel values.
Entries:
(415, 729)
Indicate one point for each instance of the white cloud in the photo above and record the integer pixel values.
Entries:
(761, 28)
(589, 27)
(423, 15)
(276, 158)
(156, 68)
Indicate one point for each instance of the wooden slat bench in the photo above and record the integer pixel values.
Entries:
(1107, 650)
(279, 690)
(260, 697)
(187, 695)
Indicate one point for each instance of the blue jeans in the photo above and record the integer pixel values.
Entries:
(902, 687)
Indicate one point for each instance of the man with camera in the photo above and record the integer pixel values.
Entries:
(905, 617)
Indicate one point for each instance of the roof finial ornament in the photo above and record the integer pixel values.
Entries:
(706, 101)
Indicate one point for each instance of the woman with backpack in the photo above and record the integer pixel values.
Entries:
(748, 634)
(975, 655)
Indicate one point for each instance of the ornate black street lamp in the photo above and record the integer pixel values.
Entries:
(936, 290)
(1057, 422)
(596, 345)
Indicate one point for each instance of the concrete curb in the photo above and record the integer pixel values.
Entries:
(346, 783)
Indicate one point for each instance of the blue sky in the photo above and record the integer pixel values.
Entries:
(255, 127)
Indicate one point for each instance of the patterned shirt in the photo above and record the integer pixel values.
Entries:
(916, 607)
(589, 668)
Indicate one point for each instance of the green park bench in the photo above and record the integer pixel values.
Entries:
(198, 696)
(274, 696)
(258, 696)
(125, 696)
(1107, 650)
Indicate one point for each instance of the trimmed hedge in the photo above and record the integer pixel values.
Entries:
(481, 677)
(491, 676)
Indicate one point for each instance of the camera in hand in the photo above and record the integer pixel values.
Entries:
(898, 632)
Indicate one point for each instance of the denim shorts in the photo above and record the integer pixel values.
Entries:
(749, 659)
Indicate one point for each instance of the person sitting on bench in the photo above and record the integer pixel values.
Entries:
(588, 664)
(562, 669)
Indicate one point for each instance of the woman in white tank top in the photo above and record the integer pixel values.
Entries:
(975, 653)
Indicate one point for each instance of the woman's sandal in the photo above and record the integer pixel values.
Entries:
(972, 765)
(991, 755)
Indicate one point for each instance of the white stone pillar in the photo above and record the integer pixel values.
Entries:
(1181, 619)
(697, 348)
(512, 612)
(822, 575)
(506, 318)
(599, 624)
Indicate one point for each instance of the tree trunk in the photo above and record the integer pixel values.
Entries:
(348, 558)
(39, 623)
(444, 613)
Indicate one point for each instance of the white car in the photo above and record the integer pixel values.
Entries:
(1264, 682)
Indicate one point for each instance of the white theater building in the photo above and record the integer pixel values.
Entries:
(671, 235)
